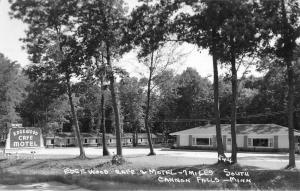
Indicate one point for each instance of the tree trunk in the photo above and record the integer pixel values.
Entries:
(91, 122)
(75, 120)
(234, 103)
(101, 124)
(46, 113)
(61, 126)
(114, 103)
(291, 90)
(296, 124)
(220, 147)
(290, 112)
(148, 108)
(134, 137)
(103, 128)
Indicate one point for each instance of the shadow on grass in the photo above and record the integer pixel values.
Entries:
(88, 181)
(39, 164)
(46, 166)
(265, 157)
(187, 150)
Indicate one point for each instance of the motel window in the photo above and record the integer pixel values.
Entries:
(85, 140)
(229, 141)
(249, 142)
(260, 142)
(214, 140)
(141, 140)
(202, 141)
(110, 140)
(271, 143)
(52, 141)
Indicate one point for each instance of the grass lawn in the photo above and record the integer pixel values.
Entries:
(160, 172)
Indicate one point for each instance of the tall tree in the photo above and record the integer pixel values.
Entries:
(202, 27)
(194, 95)
(132, 102)
(166, 103)
(102, 25)
(240, 38)
(12, 90)
(148, 29)
(227, 29)
(52, 44)
(283, 19)
(96, 74)
(105, 151)
(41, 94)
(101, 119)
(58, 113)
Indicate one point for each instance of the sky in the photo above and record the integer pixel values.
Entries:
(12, 30)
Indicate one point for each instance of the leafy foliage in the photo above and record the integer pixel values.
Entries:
(12, 89)
(132, 103)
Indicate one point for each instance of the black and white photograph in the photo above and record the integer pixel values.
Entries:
(149, 95)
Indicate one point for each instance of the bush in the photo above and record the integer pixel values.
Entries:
(117, 160)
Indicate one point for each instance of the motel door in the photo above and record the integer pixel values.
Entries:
(228, 145)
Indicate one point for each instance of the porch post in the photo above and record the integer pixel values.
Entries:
(190, 140)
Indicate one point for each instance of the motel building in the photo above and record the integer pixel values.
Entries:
(68, 139)
(249, 137)
(127, 139)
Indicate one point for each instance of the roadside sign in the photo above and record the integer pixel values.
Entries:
(25, 137)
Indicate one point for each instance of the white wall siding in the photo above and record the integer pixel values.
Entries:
(184, 140)
(240, 140)
(48, 141)
(283, 141)
(143, 141)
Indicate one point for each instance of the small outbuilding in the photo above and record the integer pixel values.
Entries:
(249, 137)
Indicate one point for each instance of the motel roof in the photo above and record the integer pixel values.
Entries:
(93, 135)
(242, 129)
(130, 135)
(71, 135)
(141, 135)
